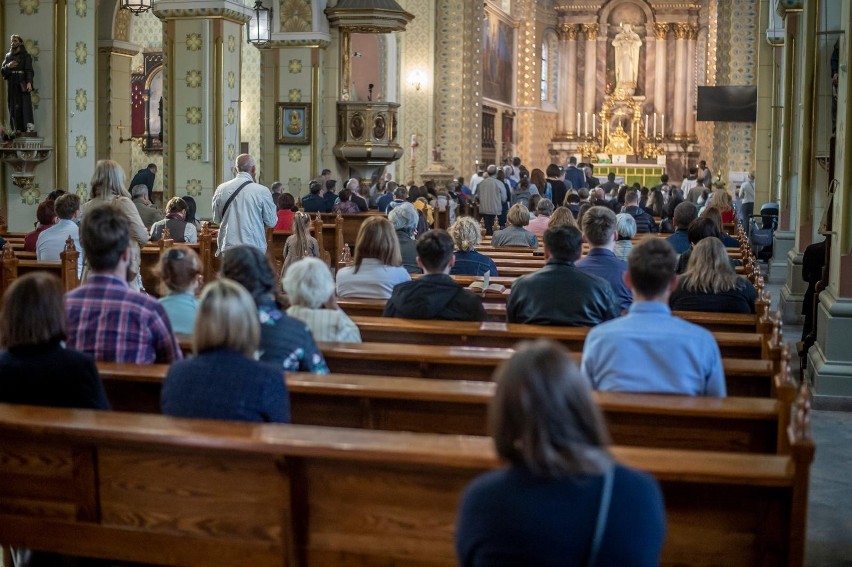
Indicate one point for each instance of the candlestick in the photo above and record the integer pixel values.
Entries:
(578, 124)
(646, 125)
(663, 127)
(655, 125)
(585, 123)
(594, 125)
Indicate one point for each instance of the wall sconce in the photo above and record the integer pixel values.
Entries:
(416, 79)
(259, 29)
(137, 6)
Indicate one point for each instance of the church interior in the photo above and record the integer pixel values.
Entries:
(438, 89)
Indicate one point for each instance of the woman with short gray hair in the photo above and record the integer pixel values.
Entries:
(310, 289)
(625, 227)
(404, 219)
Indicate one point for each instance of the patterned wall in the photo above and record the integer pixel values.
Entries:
(417, 52)
(81, 65)
(736, 65)
(146, 31)
(294, 85)
(251, 111)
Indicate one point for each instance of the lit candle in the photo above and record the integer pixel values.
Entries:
(655, 125)
(594, 125)
(646, 125)
(663, 125)
(585, 123)
(578, 123)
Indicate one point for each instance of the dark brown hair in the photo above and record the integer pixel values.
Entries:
(652, 265)
(45, 213)
(33, 311)
(543, 416)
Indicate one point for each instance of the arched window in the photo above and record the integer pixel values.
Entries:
(549, 69)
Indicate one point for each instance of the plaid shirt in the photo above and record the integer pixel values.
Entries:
(112, 323)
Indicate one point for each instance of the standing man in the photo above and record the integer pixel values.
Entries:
(574, 175)
(704, 174)
(146, 177)
(746, 196)
(243, 208)
(17, 69)
(490, 193)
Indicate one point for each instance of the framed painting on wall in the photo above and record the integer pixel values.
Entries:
(294, 123)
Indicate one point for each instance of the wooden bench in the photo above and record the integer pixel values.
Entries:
(12, 267)
(460, 407)
(169, 491)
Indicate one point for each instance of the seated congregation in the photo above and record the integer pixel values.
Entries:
(553, 486)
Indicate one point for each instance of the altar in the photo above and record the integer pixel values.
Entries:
(646, 174)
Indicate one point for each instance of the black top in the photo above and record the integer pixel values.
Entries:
(561, 294)
(50, 375)
(435, 296)
(738, 300)
(315, 204)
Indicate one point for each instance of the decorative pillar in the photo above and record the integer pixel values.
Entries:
(114, 59)
(202, 46)
(830, 359)
(680, 99)
(691, 66)
(568, 80)
(589, 78)
(661, 31)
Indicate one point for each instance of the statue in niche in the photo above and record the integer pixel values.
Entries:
(17, 69)
(627, 44)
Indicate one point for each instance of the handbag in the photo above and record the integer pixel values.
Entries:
(603, 514)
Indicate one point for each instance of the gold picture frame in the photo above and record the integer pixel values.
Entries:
(293, 120)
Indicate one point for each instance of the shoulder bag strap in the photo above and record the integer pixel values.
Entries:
(603, 514)
(232, 197)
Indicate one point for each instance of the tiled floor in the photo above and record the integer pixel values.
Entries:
(829, 542)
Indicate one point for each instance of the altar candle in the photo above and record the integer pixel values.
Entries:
(578, 123)
(646, 125)
(585, 123)
(655, 125)
(594, 124)
(663, 126)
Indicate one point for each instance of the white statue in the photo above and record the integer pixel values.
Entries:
(626, 44)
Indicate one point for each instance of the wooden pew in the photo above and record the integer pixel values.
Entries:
(350, 225)
(11, 267)
(170, 491)
(495, 310)
(744, 377)
(460, 407)
(462, 333)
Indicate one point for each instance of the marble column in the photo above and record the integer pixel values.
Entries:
(201, 95)
(568, 80)
(661, 30)
(589, 77)
(680, 99)
(691, 66)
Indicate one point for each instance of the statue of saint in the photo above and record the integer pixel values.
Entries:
(17, 69)
(626, 44)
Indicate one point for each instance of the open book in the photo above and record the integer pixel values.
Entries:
(486, 288)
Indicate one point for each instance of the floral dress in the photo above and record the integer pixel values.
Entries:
(287, 342)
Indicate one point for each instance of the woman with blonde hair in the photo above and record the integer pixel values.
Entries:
(561, 216)
(515, 234)
(723, 201)
(562, 499)
(466, 237)
(310, 289)
(377, 266)
(107, 188)
(300, 244)
(711, 284)
(223, 380)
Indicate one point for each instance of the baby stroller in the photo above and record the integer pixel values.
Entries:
(762, 229)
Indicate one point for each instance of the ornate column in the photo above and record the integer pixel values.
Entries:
(568, 79)
(661, 30)
(201, 95)
(691, 66)
(680, 98)
(589, 78)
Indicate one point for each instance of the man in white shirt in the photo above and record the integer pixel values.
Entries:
(746, 196)
(243, 208)
(475, 180)
(51, 242)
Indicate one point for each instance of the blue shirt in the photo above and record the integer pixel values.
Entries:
(679, 241)
(181, 308)
(512, 517)
(472, 263)
(649, 350)
(604, 264)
